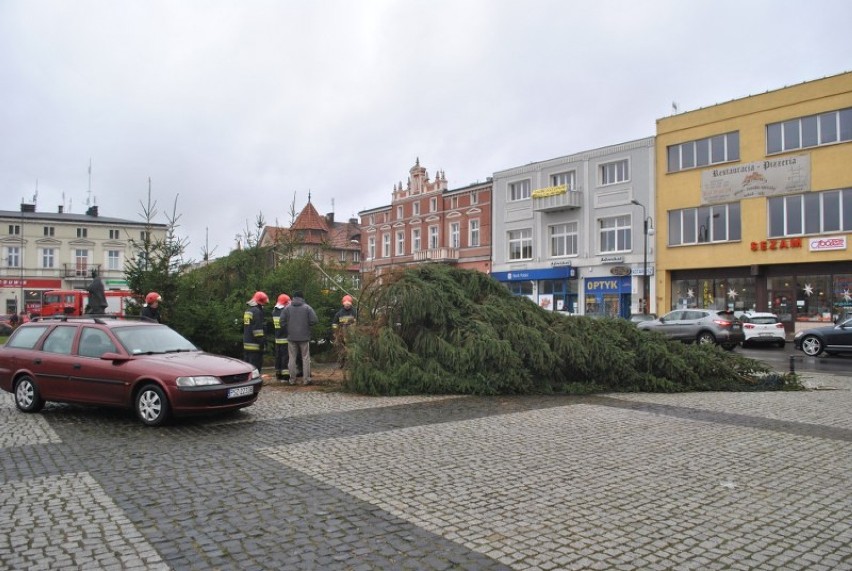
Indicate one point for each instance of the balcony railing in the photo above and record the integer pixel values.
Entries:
(551, 199)
(447, 255)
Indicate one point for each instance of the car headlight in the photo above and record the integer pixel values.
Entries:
(799, 334)
(202, 381)
(255, 374)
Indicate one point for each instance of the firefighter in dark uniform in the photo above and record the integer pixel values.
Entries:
(282, 351)
(343, 319)
(253, 330)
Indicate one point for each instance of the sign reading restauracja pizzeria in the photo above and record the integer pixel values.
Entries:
(769, 177)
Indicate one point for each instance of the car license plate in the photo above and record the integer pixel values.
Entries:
(240, 392)
(766, 334)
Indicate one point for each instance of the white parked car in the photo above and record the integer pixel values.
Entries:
(763, 328)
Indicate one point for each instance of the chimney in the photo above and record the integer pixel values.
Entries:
(92, 211)
(330, 218)
(27, 207)
(353, 221)
(60, 209)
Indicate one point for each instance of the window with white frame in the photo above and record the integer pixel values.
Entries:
(356, 256)
(342, 256)
(48, 257)
(399, 215)
(563, 239)
(614, 172)
(810, 213)
(810, 131)
(520, 244)
(455, 235)
(13, 256)
(81, 260)
(474, 197)
(569, 179)
(415, 209)
(114, 259)
(386, 245)
(433, 204)
(82, 232)
(702, 152)
(113, 234)
(519, 190)
(454, 202)
(49, 230)
(415, 240)
(400, 242)
(145, 236)
(717, 223)
(371, 248)
(433, 237)
(616, 234)
(14, 229)
(473, 229)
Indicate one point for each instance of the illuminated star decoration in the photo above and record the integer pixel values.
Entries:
(809, 290)
(847, 295)
(732, 293)
(690, 293)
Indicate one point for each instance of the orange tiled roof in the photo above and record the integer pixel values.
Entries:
(309, 219)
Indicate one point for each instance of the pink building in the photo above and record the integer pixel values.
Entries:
(426, 222)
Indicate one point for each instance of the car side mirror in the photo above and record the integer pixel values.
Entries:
(662, 320)
(115, 357)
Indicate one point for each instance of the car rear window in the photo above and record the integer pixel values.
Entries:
(26, 337)
(763, 320)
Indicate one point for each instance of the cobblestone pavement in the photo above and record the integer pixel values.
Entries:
(322, 480)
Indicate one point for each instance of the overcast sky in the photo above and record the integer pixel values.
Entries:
(235, 107)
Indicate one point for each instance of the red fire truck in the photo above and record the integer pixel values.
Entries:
(73, 302)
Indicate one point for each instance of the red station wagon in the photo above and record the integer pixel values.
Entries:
(148, 367)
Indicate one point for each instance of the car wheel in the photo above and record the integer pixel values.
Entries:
(27, 397)
(812, 345)
(782, 344)
(705, 337)
(152, 406)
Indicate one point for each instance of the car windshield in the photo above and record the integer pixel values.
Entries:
(150, 339)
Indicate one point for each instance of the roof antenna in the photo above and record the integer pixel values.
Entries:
(89, 194)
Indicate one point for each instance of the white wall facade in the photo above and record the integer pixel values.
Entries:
(583, 228)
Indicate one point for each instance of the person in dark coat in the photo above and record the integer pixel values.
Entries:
(298, 318)
(97, 295)
(254, 335)
(342, 320)
(151, 309)
(282, 350)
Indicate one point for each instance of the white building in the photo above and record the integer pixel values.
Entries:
(43, 251)
(569, 232)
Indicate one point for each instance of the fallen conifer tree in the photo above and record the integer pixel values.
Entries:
(437, 329)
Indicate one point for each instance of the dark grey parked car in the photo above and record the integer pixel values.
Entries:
(832, 339)
(699, 326)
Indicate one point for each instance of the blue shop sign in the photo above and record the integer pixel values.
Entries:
(545, 274)
(615, 284)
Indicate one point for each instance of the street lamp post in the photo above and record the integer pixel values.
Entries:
(645, 288)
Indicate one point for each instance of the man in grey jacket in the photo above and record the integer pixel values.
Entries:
(297, 318)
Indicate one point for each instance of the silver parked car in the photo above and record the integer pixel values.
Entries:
(699, 326)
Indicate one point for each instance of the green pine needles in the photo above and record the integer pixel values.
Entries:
(436, 329)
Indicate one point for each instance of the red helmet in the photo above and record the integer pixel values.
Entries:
(283, 299)
(152, 297)
(347, 299)
(260, 298)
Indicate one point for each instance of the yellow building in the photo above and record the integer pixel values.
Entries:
(754, 204)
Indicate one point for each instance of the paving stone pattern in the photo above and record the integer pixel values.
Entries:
(316, 480)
